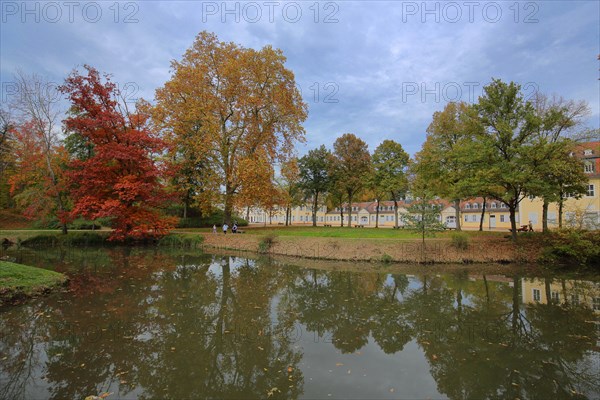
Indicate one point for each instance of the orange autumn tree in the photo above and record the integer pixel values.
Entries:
(231, 110)
(118, 178)
(34, 188)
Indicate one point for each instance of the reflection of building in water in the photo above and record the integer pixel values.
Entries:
(574, 292)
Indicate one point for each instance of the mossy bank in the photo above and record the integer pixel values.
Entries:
(19, 281)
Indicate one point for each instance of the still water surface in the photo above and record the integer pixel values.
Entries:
(149, 324)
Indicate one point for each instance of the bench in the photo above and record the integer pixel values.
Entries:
(359, 226)
(280, 223)
(523, 228)
(327, 225)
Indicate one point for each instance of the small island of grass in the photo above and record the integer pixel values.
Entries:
(17, 281)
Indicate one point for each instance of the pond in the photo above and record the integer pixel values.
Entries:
(156, 324)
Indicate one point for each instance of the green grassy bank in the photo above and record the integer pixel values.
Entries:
(17, 280)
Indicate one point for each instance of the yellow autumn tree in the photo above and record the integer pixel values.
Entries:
(224, 106)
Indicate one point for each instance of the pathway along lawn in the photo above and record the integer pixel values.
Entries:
(18, 281)
(356, 233)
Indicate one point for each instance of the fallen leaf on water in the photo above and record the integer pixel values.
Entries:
(339, 364)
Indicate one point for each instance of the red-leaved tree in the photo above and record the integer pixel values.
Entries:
(118, 177)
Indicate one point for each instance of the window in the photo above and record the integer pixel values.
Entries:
(468, 206)
(537, 296)
(596, 304)
(493, 205)
(588, 168)
(575, 299)
(588, 152)
(466, 218)
(555, 297)
(590, 191)
(475, 205)
(502, 218)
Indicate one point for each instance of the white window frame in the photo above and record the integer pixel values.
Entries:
(588, 168)
(591, 192)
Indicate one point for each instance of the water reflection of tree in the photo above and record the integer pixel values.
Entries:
(234, 352)
(519, 352)
(179, 326)
(19, 354)
(479, 338)
(199, 331)
(348, 307)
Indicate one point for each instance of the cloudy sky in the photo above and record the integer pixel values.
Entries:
(373, 68)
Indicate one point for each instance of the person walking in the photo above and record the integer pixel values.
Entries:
(225, 227)
(215, 229)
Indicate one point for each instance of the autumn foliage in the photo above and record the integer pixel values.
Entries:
(33, 188)
(119, 179)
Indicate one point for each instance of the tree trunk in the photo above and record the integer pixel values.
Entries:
(395, 213)
(350, 209)
(457, 214)
(548, 291)
(314, 209)
(482, 214)
(228, 206)
(513, 221)
(545, 216)
(248, 213)
(560, 213)
(185, 205)
(287, 215)
(342, 215)
(377, 215)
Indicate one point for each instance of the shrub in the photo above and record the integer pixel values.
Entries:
(264, 246)
(71, 239)
(572, 249)
(386, 258)
(41, 240)
(216, 218)
(181, 241)
(459, 240)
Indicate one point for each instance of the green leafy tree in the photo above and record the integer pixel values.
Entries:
(352, 164)
(507, 125)
(314, 176)
(390, 162)
(446, 157)
(554, 166)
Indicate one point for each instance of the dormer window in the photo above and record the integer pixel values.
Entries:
(588, 168)
(588, 152)
(475, 205)
(493, 205)
(468, 206)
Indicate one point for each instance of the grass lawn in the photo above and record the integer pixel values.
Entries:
(16, 279)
